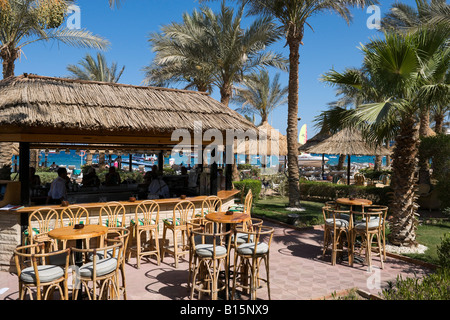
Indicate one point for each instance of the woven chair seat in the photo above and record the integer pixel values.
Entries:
(47, 273)
(103, 267)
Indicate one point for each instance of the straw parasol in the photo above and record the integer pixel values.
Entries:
(318, 138)
(276, 143)
(28, 102)
(348, 141)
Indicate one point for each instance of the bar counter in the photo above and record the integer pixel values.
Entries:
(11, 226)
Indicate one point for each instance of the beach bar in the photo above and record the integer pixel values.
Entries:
(38, 112)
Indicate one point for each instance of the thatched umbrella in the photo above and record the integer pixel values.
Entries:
(276, 142)
(318, 138)
(349, 142)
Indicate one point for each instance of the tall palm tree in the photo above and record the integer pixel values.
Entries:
(259, 95)
(95, 69)
(293, 16)
(400, 68)
(405, 18)
(210, 49)
(23, 22)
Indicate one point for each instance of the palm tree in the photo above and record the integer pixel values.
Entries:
(405, 18)
(97, 70)
(400, 68)
(210, 49)
(23, 22)
(259, 95)
(293, 15)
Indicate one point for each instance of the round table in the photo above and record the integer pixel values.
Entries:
(70, 233)
(222, 217)
(353, 202)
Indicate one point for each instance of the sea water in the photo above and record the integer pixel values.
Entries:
(73, 159)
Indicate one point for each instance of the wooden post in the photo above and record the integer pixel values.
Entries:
(24, 178)
(130, 157)
(348, 169)
(213, 172)
(229, 170)
(160, 162)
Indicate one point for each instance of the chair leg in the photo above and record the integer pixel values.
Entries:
(175, 249)
(154, 234)
(138, 249)
(163, 248)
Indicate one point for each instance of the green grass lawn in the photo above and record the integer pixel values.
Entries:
(429, 235)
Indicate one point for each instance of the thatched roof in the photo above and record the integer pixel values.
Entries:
(31, 101)
(321, 136)
(347, 142)
(274, 139)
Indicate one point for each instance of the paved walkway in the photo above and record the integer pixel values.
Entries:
(297, 272)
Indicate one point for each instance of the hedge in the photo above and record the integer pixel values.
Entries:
(322, 191)
(245, 185)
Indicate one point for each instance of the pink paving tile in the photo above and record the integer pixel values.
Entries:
(297, 269)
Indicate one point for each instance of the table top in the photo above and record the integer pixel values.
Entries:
(70, 233)
(221, 217)
(354, 202)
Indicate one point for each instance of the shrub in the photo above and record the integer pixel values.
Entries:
(435, 286)
(443, 251)
(245, 185)
(321, 191)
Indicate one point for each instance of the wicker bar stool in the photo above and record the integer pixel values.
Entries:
(43, 220)
(247, 260)
(210, 259)
(337, 228)
(182, 212)
(146, 222)
(34, 270)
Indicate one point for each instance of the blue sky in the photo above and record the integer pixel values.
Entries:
(333, 44)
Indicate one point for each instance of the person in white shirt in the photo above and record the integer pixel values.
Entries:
(58, 191)
(158, 188)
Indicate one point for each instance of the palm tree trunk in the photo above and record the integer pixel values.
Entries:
(225, 94)
(378, 163)
(341, 161)
(424, 170)
(404, 161)
(292, 122)
(439, 123)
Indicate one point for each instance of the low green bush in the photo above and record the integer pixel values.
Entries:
(435, 286)
(322, 191)
(245, 185)
(443, 251)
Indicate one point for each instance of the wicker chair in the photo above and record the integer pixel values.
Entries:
(384, 210)
(247, 260)
(35, 271)
(210, 258)
(74, 215)
(146, 221)
(114, 214)
(102, 272)
(40, 222)
(336, 231)
(369, 226)
(182, 212)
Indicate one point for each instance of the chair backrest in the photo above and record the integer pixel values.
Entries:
(373, 219)
(116, 234)
(376, 207)
(74, 215)
(184, 211)
(385, 178)
(147, 213)
(207, 233)
(211, 204)
(44, 220)
(260, 234)
(359, 178)
(34, 255)
(334, 213)
(248, 202)
(114, 214)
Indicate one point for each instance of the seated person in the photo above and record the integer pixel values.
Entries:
(112, 178)
(35, 180)
(90, 179)
(58, 190)
(158, 188)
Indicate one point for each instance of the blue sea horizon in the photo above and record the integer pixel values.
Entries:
(72, 159)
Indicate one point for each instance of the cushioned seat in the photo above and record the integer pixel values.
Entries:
(206, 250)
(242, 238)
(141, 222)
(340, 223)
(104, 266)
(373, 223)
(169, 221)
(47, 273)
(249, 248)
